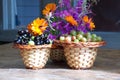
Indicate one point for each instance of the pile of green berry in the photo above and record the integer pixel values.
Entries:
(78, 36)
(25, 38)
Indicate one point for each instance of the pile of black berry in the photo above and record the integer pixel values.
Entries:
(25, 38)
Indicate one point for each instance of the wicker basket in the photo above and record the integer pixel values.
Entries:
(34, 57)
(57, 53)
(80, 55)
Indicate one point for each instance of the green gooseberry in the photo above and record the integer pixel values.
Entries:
(94, 35)
(99, 38)
(79, 36)
(62, 38)
(94, 39)
(73, 33)
(76, 41)
(84, 39)
(80, 32)
(31, 42)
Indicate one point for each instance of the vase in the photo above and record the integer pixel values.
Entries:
(80, 55)
(34, 56)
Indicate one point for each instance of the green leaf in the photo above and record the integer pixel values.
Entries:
(56, 32)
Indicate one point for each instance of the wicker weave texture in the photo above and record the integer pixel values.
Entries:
(57, 54)
(80, 44)
(35, 58)
(80, 58)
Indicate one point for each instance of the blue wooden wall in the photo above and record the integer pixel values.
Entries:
(1, 19)
(27, 10)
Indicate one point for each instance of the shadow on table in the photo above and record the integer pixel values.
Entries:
(19, 64)
(108, 60)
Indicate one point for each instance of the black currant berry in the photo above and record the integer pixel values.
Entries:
(21, 32)
(18, 41)
(47, 41)
(37, 43)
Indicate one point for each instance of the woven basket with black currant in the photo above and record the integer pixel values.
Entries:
(34, 44)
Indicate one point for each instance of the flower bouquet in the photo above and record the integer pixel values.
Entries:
(34, 44)
(70, 26)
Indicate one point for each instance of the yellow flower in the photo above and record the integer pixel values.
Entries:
(37, 27)
(89, 21)
(51, 7)
(71, 20)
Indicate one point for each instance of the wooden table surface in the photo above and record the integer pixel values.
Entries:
(106, 67)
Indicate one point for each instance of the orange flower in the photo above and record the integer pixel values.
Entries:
(37, 27)
(92, 25)
(51, 7)
(89, 21)
(86, 19)
(71, 20)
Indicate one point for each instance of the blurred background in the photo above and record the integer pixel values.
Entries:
(16, 14)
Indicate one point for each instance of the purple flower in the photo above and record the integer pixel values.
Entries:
(62, 14)
(65, 9)
(79, 3)
(52, 37)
